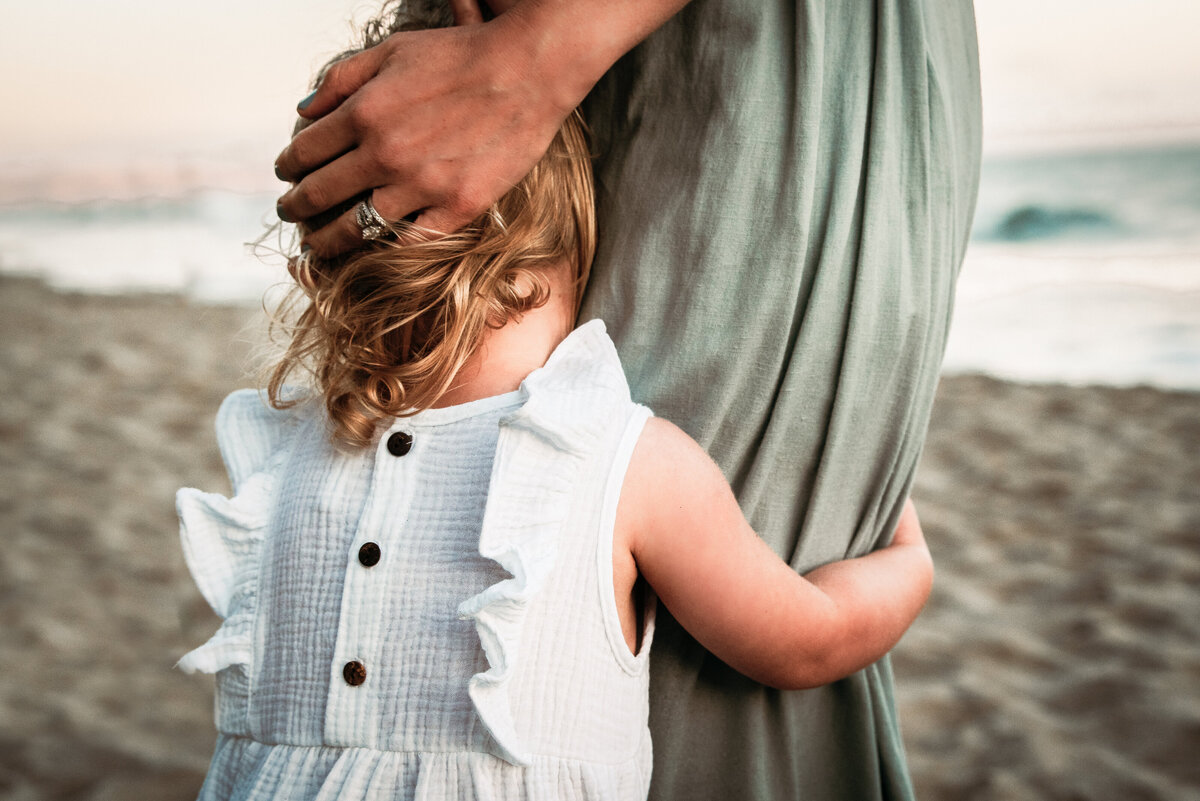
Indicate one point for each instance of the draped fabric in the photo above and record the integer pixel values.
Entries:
(785, 192)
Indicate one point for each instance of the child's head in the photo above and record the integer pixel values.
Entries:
(384, 329)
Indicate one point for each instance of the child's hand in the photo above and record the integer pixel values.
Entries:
(908, 530)
(911, 538)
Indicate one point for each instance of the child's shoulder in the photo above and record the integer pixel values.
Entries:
(250, 431)
(668, 463)
(581, 396)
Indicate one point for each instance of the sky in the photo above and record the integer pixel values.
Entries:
(94, 84)
(1065, 72)
(104, 71)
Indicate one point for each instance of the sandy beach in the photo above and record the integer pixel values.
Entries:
(1059, 657)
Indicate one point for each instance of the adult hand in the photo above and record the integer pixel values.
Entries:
(440, 123)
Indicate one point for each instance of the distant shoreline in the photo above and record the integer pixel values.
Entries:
(84, 176)
(1083, 267)
(957, 365)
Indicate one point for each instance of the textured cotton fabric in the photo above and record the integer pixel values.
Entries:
(785, 195)
(495, 664)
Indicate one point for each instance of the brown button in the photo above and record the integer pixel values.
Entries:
(355, 673)
(368, 554)
(399, 443)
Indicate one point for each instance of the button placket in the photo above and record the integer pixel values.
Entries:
(399, 443)
(354, 672)
(351, 697)
(369, 554)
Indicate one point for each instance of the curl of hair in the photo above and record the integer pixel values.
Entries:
(384, 330)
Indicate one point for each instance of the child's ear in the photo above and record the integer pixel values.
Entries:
(466, 12)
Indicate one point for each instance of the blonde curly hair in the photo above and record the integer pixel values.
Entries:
(383, 331)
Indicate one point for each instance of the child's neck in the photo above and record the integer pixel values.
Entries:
(513, 351)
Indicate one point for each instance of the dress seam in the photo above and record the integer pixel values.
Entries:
(456, 752)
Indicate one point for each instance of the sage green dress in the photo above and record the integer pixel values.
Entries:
(785, 195)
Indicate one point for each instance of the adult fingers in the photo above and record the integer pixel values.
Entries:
(466, 12)
(319, 143)
(500, 6)
(342, 80)
(324, 188)
(343, 234)
(441, 221)
(339, 236)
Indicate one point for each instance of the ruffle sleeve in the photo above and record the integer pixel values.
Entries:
(538, 455)
(221, 539)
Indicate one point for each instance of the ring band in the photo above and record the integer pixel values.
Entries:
(370, 221)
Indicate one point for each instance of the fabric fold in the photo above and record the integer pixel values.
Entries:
(538, 455)
(329, 773)
(222, 538)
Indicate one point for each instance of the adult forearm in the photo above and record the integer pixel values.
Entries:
(578, 40)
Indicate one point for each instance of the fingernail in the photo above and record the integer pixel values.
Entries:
(305, 248)
(303, 104)
(279, 173)
(279, 212)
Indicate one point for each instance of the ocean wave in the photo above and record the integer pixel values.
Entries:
(1131, 195)
(1047, 222)
(198, 206)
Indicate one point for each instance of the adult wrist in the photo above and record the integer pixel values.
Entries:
(540, 42)
(572, 43)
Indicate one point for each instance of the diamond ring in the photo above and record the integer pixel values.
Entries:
(370, 221)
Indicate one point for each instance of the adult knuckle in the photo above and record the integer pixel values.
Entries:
(389, 153)
(444, 179)
(361, 111)
(418, 179)
(465, 202)
(435, 193)
(336, 76)
(375, 153)
(311, 197)
(474, 196)
(298, 154)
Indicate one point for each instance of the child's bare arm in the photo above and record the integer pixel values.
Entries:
(684, 529)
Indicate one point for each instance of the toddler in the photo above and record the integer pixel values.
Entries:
(439, 569)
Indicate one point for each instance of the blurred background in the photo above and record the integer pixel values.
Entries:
(1060, 655)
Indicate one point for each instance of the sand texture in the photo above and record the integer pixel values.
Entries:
(1058, 659)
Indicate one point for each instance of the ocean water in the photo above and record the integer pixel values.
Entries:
(1083, 267)
(196, 243)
